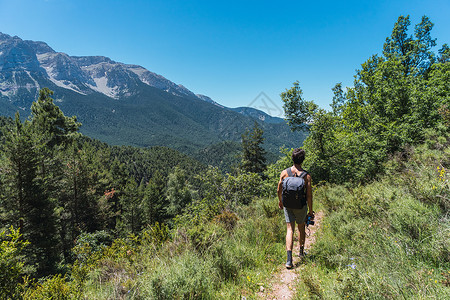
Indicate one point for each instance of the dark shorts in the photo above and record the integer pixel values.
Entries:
(295, 215)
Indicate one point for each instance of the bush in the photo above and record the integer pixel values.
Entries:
(186, 276)
(11, 264)
(54, 287)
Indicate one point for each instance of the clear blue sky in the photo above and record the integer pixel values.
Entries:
(228, 50)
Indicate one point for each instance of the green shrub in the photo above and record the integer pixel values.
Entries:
(187, 276)
(54, 287)
(11, 263)
(227, 219)
(155, 234)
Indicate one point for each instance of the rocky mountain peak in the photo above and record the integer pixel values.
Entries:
(82, 74)
(26, 66)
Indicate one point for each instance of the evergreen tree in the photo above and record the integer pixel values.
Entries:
(154, 201)
(49, 121)
(179, 193)
(61, 167)
(131, 217)
(77, 196)
(29, 204)
(253, 155)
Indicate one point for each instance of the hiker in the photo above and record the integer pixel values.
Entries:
(298, 207)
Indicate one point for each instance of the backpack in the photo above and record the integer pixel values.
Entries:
(294, 190)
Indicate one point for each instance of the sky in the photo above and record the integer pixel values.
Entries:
(239, 53)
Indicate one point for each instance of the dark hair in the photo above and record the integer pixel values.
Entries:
(298, 156)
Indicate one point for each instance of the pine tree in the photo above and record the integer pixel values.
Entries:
(131, 217)
(29, 205)
(154, 201)
(179, 193)
(253, 155)
(49, 121)
(77, 198)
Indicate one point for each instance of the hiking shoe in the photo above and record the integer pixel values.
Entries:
(302, 253)
(289, 264)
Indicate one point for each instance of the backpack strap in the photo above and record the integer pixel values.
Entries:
(290, 174)
(303, 174)
(289, 171)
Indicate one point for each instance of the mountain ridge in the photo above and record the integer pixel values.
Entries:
(85, 74)
(123, 104)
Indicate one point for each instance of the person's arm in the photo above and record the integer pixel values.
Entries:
(309, 198)
(280, 189)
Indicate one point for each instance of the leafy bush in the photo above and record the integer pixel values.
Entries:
(54, 287)
(11, 264)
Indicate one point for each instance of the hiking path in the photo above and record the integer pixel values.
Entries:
(283, 282)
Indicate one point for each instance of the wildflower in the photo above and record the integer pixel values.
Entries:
(353, 266)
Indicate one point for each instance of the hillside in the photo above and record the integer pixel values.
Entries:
(124, 104)
(389, 239)
(381, 240)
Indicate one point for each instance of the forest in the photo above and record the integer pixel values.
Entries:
(80, 219)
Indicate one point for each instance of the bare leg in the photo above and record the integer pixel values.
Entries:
(301, 230)
(290, 235)
(289, 243)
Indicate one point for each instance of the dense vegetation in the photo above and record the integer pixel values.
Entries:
(128, 223)
(57, 184)
(389, 239)
(397, 97)
(66, 198)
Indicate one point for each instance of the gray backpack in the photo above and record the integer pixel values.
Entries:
(294, 190)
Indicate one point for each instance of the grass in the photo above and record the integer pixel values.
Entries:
(389, 239)
(211, 261)
(386, 240)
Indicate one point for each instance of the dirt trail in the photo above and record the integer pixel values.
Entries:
(284, 281)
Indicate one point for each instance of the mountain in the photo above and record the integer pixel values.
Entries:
(258, 114)
(123, 104)
(22, 63)
(207, 99)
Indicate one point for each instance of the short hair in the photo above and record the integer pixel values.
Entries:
(298, 156)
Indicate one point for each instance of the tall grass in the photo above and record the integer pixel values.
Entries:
(232, 263)
(231, 256)
(387, 240)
